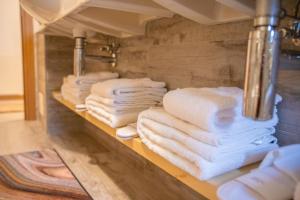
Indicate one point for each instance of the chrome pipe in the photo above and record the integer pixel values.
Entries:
(262, 62)
(79, 54)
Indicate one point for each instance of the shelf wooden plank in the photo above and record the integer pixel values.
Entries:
(205, 188)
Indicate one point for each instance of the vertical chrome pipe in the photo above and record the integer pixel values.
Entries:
(262, 62)
(79, 63)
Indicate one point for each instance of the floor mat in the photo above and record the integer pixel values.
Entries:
(38, 175)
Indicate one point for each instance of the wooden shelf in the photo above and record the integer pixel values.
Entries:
(205, 188)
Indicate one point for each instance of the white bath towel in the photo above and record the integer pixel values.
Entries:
(297, 192)
(113, 120)
(216, 139)
(128, 132)
(128, 87)
(200, 168)
(275, 179)
(175, 140)
(213, 109)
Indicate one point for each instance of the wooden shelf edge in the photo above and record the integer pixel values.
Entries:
(205, 188)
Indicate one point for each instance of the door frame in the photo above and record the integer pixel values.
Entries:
(28, 65)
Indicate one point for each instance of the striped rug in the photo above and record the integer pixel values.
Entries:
(38, 175)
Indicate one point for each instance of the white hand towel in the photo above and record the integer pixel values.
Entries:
(285, 159)
(203, 107)
(264, 184)
(274, 179)
(279, 153)
(113, 120)
(297, 192)
(128, 132)
(216, 139)
(127, 87)
(201, 168)
(173, 138)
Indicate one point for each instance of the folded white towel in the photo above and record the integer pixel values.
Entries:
(128, 132)
(216, 139)
(297, 192)
(113, 120)
(128, 87)
(126, 101)
(76, 89)
(285, 159)
(213, 109)
(173, 139)
(275, 179)
(201, 168)
(264, 184)
(118, 108)
(278, 154)
(91, 78)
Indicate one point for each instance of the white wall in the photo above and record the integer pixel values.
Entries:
(11, 75)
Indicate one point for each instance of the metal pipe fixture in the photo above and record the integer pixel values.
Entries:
(79, 54)
(262, 61)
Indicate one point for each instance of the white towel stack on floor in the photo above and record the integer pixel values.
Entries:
(118, 102)
(202, 131)
(275, 179)
(76, 89)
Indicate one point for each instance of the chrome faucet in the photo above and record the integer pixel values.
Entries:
(80, 56)
(112, 49)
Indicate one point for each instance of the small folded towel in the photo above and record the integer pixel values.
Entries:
(212, 109)
(179, 142)
(76, 89)
(159, 115)
(128, 87)
(126, 101)
(91, 78)
(113, 120)
(128, 132)
(121, 108)
(297, 192)
(199, 167)
(274, 179)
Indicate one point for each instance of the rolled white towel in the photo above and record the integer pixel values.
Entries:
(274, 179)
(158, 114)
(128, 87)
(213, 109)
(178, 142)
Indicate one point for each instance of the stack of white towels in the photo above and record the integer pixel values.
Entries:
(277, 178)
(118, 102)
(76, 89)
(203, 132)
